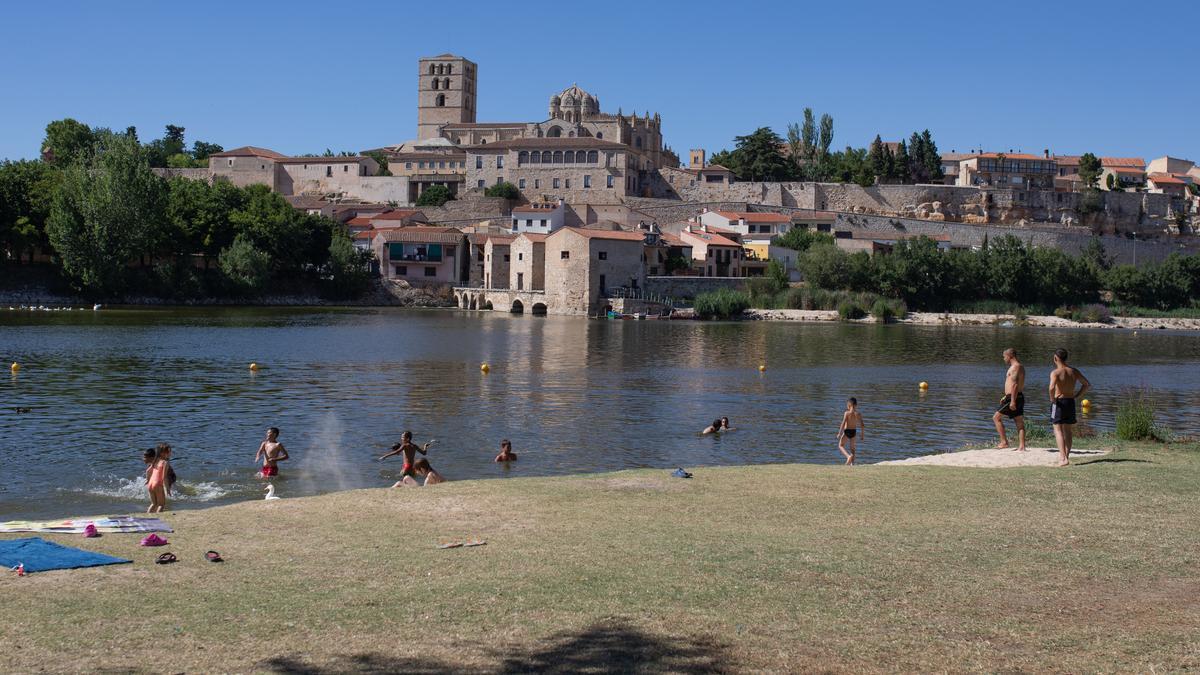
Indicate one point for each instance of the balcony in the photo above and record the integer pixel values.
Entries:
(423, 253)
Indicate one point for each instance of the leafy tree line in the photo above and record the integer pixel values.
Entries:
(805, 156)
(1004, 270)
(114, 227)
(67, 140)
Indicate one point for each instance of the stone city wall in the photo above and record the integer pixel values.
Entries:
(468, 210)
(688, 287)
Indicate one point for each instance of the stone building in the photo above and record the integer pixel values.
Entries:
(542, 217)
(422, 254)
(445, 93)
(527, 266)
(572, 169)
(497, 260)
(1012, 170)
(355, 177)
(583, 266)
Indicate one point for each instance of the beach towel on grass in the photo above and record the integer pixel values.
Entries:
(108, 525)
(39, 555)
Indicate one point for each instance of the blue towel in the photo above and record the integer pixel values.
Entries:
(39, 555)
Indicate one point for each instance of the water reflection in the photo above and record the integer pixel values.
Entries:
(573, 395)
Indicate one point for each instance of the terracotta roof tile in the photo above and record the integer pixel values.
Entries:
(618, 235)
(711, 238)
(755, 217)
(431, 235)
(249, 151)
(399, 214)
(1136, 162)
(1166, 179)
(535, 237)
(323, 160)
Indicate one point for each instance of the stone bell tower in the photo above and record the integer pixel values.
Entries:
(445, 93)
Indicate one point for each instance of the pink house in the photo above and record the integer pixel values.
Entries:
(431, 254)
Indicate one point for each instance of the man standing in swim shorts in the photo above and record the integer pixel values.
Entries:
(1062, 402)
(409, 449)
(1012, 405)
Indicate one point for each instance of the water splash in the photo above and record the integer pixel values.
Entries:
(134, 489)
(325, 459)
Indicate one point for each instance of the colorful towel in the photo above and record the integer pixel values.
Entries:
(109, 525)
(39, 555)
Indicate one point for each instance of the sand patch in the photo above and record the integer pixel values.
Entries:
(991, 458)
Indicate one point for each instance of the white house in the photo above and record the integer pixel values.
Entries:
(538, 217)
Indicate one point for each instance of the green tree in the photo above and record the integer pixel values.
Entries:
(173, 143)
(825, 266)
(435, 195)
(246, 268)
(202, 150)
(198, 217)
(915, 271)
(777, 273)
(802, 240)
(808, 145)
(26, 192)
(503, 190)
(881, 160)
(348, 271)
(1089, 169)
(108, 211)
(294, 241)
(796, 149)
(931, 159)
(67, 141)
(902, 170)
(757, 157)
(824, 141)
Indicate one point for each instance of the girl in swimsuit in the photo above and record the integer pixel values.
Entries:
(852, 422)
(156, 483)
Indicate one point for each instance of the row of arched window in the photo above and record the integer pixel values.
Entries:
(441, 69)
(445, 83)
(558, 157)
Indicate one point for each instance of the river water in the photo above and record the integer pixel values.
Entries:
(572, 394)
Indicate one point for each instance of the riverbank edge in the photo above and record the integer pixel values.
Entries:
(950, 319)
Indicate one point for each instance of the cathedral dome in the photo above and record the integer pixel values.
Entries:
(574, 93)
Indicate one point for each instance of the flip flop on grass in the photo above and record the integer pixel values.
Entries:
(166, 559)
(213, 556)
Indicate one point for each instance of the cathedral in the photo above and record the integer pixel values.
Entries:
(446, 109)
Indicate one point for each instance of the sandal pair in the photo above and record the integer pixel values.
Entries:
(168, 558)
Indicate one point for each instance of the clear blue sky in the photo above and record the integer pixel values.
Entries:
(1110, 78)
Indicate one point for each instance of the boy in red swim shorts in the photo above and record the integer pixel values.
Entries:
(271, 451)
(409, 450)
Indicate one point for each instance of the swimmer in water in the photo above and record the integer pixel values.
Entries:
(506, 453)
(714, 428)
(409, 449)
(852, 425)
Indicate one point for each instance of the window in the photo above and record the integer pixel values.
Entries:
(231, 162)
(592, 156)
(345, 168)
(565, 255)
(441, 100)
(479, 161)
(610, 181)
(602, 255)
(521, 183)
(569, 157)
(499, 180)
(535, 157)
(637, 142)
(599, 134)
(441, 165)
(568, 183)
(520, 256)
(587, 181)
(499, 161)
(432, 69)
(558, 157)
(401, 270)
(329, 172)
(449, 69)
(431, 271)
(445, 83)
(481, 183)
(408, 165)
(543, 223)
(529, 222)
(421, 164)
(436, 83)
(522, 157)
(450, 250)
(537, 183)
(555, 183)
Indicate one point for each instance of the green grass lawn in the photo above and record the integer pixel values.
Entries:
(787, 567)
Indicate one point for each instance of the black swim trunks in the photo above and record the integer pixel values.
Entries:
(1009, 412)
(1062, 411)
(850, 433)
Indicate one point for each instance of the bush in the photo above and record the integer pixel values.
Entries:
(802, 240)
(504, 190)
(348, 271)
(1135, 418)
(849, 310)
(434, 195)
(1038, 433)
(721, 304)
(887, 310)
(1093, 314)
(245, 267)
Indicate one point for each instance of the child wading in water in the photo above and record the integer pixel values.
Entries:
(272, 452)
(421, 469)
(506, 453)
(156, 478)
(852, 424)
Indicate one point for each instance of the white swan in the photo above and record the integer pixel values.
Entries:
(96, 307)
(271, 492)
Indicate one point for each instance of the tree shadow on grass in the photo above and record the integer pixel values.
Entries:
(606, 647)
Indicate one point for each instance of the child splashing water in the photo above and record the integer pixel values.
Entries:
(157, 481)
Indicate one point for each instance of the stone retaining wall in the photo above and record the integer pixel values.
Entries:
(688, 287)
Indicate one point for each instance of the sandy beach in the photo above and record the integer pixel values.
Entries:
(947, 319)
(992, 458)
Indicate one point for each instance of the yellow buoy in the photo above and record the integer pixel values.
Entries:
(253, 366)
(485, 367)
(1086, 403)
(923, 386)
(15, 367)
(762, 369)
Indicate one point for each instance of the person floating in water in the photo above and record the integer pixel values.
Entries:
(1012, 405)
(409, 449)
(725, 424)
(272, 452)
(421, 469)
(852, 424)
(714, 428)
(1062, 403)
(506, 453)
(156, 478)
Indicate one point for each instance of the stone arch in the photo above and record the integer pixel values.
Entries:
(558, 156)
(517, 307)
(569, 157)
(445, 83)
(487, 304)
(538, 309)
(472, 306)
(441, 100)
(523, 157)
(436, 83)
(432, 69)
(554, 132)
(457, 300)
